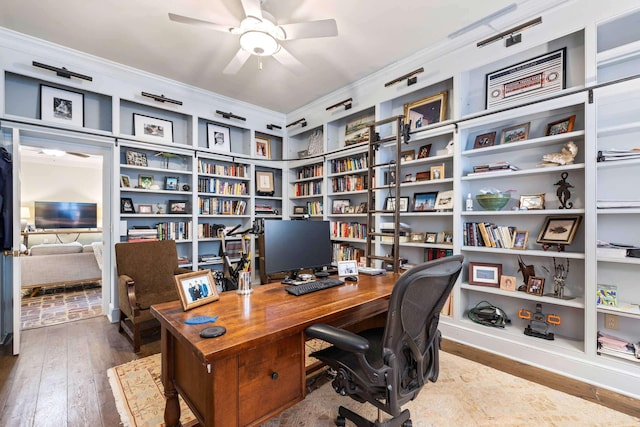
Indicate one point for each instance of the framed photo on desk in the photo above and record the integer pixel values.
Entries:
(196, 289)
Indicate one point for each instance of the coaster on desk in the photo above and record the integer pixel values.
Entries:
(201, 319)
(213, 331)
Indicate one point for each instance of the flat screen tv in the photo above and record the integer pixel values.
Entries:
(54, 215)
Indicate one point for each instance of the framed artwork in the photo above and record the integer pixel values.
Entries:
(484, 140)
(531, 201)
(515, 133)
(362, 208)
(447, 237)
(145, 209)
(407, 156)
(171, 183)
(424, 151)
(178, 207)
(508, 283)
(125, 181)
(338, 205)
(561, 126)
(152, 127)
(423, 176)
(390, 177)
(485, 274)
(520, 238)
(196, 288)
(299, 210)
(61, 106)
(426, 111)
(357, 130)
(145, 181)
(136, 158)
(416, 237)
(408, 178)
(390, 204)
(126, 205)
(264, 182)
(263, 147)
(437, 172)
(347, 267)
(425, 202)
(444, 200)
(559, 229)
(431, 237)
(535, 285)
(218, 138)
(350, 209)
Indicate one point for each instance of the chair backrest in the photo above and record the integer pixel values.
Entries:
(412, 323)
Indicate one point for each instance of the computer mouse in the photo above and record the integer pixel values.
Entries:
(351, 279)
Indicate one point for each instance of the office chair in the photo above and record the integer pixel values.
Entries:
(388, 366)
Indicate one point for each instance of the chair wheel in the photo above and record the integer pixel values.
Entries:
(341, 421)
(407, 423)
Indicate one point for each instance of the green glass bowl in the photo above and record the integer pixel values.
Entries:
(493, 202)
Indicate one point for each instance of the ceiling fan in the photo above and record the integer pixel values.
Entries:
(59, 153)
(261, 36)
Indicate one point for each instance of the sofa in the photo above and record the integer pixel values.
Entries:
(50, 265)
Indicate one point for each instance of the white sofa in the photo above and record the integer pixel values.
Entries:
(51, 265)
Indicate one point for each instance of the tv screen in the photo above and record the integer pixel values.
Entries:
(290, 246)
(53, 215)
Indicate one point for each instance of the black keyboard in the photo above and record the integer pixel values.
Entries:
(317, 285)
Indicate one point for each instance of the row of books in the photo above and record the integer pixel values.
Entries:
(494, 167)
(236, 170)
(181, 230)
(348, 183)
(220, 186)
(435, 253)
(349, 164)
(314, 208)
(345, 252)
(350, 230)
(615, 346)
(308, 188)
(312, 171)
(489, 235)
(216, 206)
(208, 231)
(616, 154)
(264, 209)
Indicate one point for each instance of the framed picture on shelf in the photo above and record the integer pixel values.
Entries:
(145, 181)
(61, 106)
(171, 183)
(152, 127)
(515, 133)
(178, 207)
(561, 126)
(196, 288)
(136, 158)
(126, 205)
(416, 237)
(407, 156)
(357, 130)
(535, 285)
(426, 111)
(520, 238)
(508, 283)
(447, 237)
(390, 177)
(145, 209)
(485, 274)
(264, 183)
(431, 237)
(362, 208)
(444, 200)
(338, 205)
(437, 172)
(423, 152)
(531, 201)
(559, 229)
(263, 147)
(425, 202)
(125, 181)
(299, 210)
(218, 138)
(484, 140)
(390, 204)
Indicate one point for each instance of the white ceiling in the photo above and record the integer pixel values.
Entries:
(372, 34)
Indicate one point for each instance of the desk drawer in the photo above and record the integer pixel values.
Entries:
(270, 378)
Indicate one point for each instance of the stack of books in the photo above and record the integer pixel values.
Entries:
(617, 250)
(262, 209)
(615, 154)
(615, 346)
(209, 258)
(494, 167)
(389, 227)
(137, 234)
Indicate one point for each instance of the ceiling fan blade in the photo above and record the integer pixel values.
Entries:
(236, 62)
(306, 30)
(199, 22)
(252, 8)
(84, 156)
(289, 61)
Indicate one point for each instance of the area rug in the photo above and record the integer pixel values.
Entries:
(61, 304)
(466, 394)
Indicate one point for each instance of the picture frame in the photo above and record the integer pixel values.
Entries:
(424, 151)
(416, 237)
(525, 80)
(177, 207)
(431, 237)
(559, 230)
(447, 237)
(125, 181)
(357, 130)
(171, 183)
(484, 140)
(263, 147)
(299, 210)
(145, 181)
(535, 285)
(218, 138)
(515, 133)
(350, 209)
(508, 283)
(425, 202)
(561, 126)
(152, 127)
(136, 158)
(531, 201)
(423, 176)
(520, 238)
(390, 204)
(444, 200)
(338, 205)
(390, 177)
(407, 156)
(145, 209)
(408, 178)
(264, 182)
(347, 268)
(61, 106)
(196, 288)
(436, 172)
(362, 208)
(126, 206)
(426, 111)
(485, 274)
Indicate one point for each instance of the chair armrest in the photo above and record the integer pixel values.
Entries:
(127, 289)
(342, 339)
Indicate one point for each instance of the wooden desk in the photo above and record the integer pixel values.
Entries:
(257, 369)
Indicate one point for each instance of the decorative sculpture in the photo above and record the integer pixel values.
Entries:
(559, 277)
(539, 323)
(564, 157)
(563, 192)
(527, 271)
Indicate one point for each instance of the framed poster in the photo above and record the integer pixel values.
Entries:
(426, 111)
(61, 106)
(218, 138)
(152, 127)
(485, 274)
(263, 147)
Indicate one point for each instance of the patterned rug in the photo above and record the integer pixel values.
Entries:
(61, 304)
(466, 394)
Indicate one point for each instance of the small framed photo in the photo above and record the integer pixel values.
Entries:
(126, 205)
(178, 207)
(145, 181)
(61, 106)
(171, 183)
(431, 237)
(515, 133)
(350, 209)
(485, 274)
(520, 238)
(152, 127)
(196, 288)
(299, 210)
(535, 285)
(263, 147)
(416, 237)
(390, 177)
(125, 181)
(561, 126)
(362, 208)
(423, 176)
(447, 237)
(218, 138)
(426, 111)
(390, 204)
(559, 230)
(346, 268)
(338, 205)
(407, 156)
(264, 182)
(531, 201)
(408, 178)
(484, 140)
(425, 202)
(444, 200)
(424, 151)
(437, 172)
(145, 209)
(136, 158)
(508, 283)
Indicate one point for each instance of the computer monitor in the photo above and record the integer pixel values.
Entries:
(291, 246)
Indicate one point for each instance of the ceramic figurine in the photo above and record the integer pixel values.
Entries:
(564, 157)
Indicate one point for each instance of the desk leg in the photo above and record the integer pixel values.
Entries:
(172, 406)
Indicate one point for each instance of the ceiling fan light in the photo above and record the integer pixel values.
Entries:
(259, 43)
